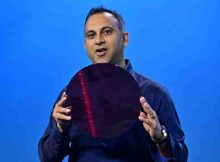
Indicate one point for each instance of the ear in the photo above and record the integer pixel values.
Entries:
(125, 38)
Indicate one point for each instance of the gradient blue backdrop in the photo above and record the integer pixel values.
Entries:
(176, 43)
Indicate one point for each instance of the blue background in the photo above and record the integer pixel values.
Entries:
(176, 43)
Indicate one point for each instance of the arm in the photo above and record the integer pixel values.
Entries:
(54, 145)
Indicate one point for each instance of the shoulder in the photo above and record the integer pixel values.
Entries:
(149, 85)
(155, 93)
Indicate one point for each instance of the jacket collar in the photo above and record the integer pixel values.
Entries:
(129, 68)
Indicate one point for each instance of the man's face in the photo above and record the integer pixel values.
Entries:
(103, 40)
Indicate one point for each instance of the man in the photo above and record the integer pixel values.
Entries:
(157, 136)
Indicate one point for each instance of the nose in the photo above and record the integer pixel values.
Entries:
(99, 40)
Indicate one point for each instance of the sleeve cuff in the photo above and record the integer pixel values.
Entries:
(58, 136)
(156, 155)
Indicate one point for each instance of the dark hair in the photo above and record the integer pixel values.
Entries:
(101, 9)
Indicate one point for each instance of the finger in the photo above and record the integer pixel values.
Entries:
(62, 100)
(63, 110)
(145, 120)
(60, 116)
(64, 94)
(142, 114)
(68, 107)
(146, 106)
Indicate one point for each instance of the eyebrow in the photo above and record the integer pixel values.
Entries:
(103, 28)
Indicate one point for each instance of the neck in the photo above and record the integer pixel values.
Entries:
(122, 64)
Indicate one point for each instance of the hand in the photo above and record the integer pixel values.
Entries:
(150, 121)
(61, 113)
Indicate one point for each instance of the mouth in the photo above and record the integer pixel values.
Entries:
(101, 52)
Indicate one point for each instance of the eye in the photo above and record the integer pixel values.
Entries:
(90, 35)
(107, 31)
